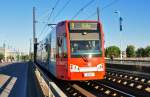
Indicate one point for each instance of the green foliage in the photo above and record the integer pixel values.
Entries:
(24, 57)
(1, 56)
(147, 51)
(140, 52)
(130, 51)
(31, 56)
(11, 58)
(112, 51)
(18, 57)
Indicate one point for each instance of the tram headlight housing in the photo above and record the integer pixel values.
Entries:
(100, 67)
(74, 68)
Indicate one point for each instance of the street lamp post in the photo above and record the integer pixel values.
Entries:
(4, 46)
(120, 29)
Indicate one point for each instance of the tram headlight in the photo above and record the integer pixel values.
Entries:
(74, 68)
(100, 67)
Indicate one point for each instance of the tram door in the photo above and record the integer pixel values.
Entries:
(62, 57)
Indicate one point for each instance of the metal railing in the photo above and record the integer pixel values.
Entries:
(129, 61)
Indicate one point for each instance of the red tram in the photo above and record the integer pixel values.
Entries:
(74, 50)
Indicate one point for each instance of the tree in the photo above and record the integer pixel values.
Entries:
(24, 57)
(18, 57)
(1, 56)
(31, 55)
(140, 52)
(130, 51)
(147, 51)
(10, 58)
(112, 51)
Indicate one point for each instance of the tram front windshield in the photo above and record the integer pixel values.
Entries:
(85, 43)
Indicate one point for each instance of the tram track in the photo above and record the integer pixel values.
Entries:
(91, 89)
(133, 75)
(103, 90)
(70, 89)
(134, 84)
(118, 84)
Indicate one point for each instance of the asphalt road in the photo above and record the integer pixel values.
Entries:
(14, 80)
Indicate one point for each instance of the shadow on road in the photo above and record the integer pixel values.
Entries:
(18, 80)
(15, 85)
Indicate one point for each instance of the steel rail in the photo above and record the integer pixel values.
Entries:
(139, 86)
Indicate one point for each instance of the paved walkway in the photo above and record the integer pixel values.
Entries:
(17, 80)
(13, 80)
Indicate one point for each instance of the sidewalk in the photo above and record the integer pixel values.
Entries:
(13, 80)
(18, 80)
(6, 85)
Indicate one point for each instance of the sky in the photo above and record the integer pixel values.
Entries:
(16, 20)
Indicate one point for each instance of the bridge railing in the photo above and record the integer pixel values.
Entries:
(133, 61)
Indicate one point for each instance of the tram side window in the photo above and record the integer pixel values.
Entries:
(64, 48)
(59, 43)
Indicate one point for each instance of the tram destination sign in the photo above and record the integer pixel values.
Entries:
(83, 26)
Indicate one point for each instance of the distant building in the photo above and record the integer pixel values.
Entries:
(2, 50)
(124, 54)
(9, 54)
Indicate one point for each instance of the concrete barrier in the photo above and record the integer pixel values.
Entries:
(51, 87)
